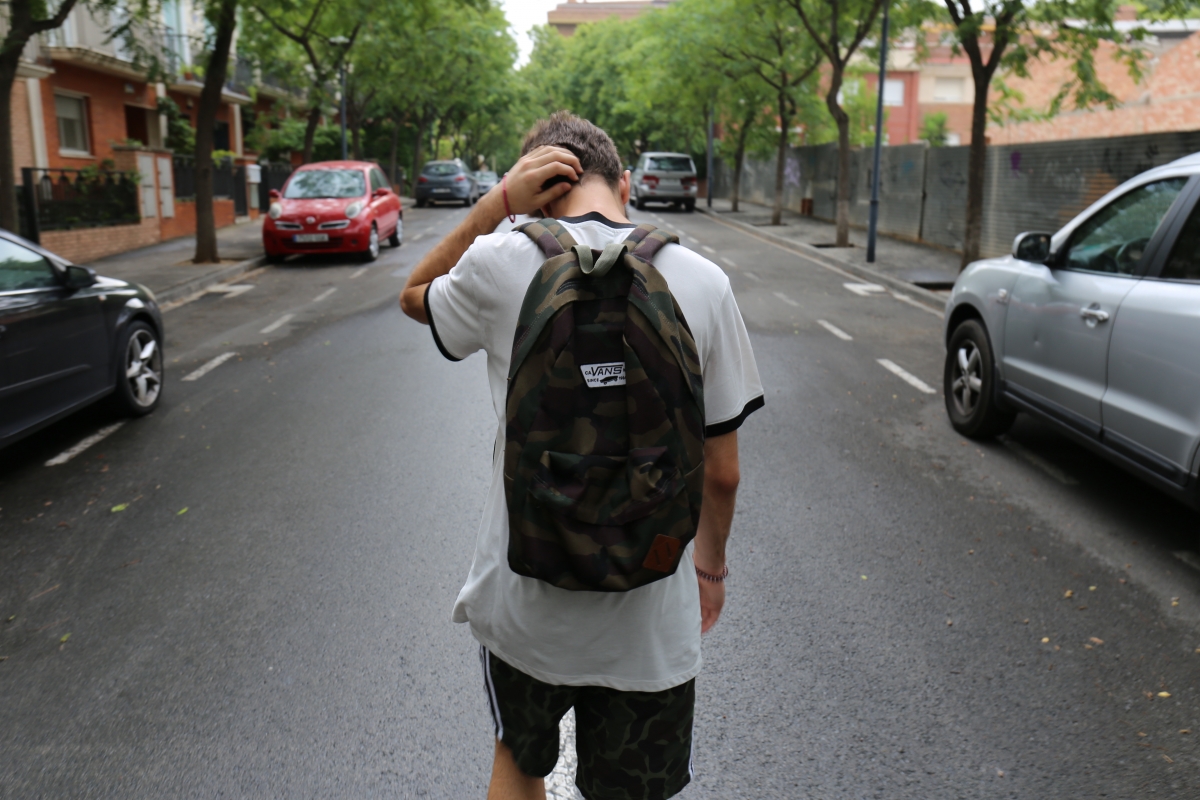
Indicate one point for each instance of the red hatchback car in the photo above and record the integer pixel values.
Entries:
(333, 207)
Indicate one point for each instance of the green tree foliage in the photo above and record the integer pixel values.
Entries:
(181, 136)
(934, 127)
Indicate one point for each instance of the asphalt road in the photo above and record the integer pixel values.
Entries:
(910, 615)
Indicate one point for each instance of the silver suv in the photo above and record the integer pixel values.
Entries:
(664, 178)
(1095, 328)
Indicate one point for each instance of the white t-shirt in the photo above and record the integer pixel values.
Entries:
(647, 639)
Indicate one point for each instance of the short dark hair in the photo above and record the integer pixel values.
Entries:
(592, 146)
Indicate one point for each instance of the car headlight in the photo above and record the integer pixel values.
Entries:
(276, 211)
(353, 209)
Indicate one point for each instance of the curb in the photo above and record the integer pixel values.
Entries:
(188, 288)
(922, 296)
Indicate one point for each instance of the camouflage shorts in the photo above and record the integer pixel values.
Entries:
(631, 745)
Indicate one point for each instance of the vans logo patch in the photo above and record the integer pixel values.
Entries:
(598, 375)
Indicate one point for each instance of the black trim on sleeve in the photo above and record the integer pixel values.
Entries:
(731, 425)
(436, 339)
(596, 216)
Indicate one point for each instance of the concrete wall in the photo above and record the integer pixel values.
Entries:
(923, 191)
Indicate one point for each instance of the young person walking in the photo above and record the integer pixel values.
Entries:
(625, 660)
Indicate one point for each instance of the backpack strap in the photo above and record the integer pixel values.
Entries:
(646, 240)
(549, 235)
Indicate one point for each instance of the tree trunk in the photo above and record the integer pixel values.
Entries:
(393, 153)
(418, 141)
(843, 180)
(739, 157)
(310, 131)
(976, 164)
(781, 156)
(206, 122)
(9, 218)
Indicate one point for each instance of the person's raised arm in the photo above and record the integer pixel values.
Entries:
(524, 187)
(721, 477)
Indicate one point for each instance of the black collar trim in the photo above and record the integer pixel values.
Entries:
(596, 216)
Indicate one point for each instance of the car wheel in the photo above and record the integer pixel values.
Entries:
(970, 384)
(420, 203)
(273, 258)
(639, 204)
(397, 234)
(140, 375)
(689, 206)
(372, 251)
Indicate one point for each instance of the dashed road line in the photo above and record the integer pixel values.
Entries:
(864, 289)
(752, 276)
(1039, 462)
(98, 436)
(728, 262)
(707, 249)
(835, 330)
(786, 299)
(209, 367)
(358, 273)
(324, 294)
(230, 289)
(418, 237)
(277, 324)
(903, 298)
(906, 376)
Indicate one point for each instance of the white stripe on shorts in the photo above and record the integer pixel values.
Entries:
(485, 658)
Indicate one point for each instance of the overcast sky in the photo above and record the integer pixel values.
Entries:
(523, 15)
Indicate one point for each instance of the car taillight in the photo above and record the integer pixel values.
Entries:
(422, 179)
(459, 178)
(650, 180)
(688, 182)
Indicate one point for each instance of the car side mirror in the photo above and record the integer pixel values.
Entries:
(80, 277)
(380, 192)
(1032, 246)
(274, 194)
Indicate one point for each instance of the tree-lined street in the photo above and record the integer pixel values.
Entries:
(248, 592)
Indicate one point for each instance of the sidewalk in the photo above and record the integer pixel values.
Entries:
(167, 269)
(922, 270)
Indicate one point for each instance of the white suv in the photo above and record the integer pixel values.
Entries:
(664, 178)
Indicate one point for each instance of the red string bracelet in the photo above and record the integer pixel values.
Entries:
(504, 190)
(713, 578)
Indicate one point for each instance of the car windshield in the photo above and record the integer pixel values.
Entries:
(670, 164)
(444, 168)
(486, 176)
(312, 183)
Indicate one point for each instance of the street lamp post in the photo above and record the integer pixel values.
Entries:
(873, 220)
(342, 41)
(708, 167)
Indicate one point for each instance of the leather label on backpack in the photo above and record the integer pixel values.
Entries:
(598, 375)
(661, 557)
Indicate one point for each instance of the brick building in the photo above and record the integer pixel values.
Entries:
(570, 15)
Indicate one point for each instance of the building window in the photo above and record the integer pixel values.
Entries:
(72, 123)
(953, 140)
(948, 90)
(893, 92)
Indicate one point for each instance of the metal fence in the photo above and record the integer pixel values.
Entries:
(64, 199)
(923, 190)
(184, 170)
(273, 176)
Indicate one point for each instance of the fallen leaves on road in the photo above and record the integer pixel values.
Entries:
(63, 638)
(1091, 588)
(1168, 759)
(1185, 731)
(1164, 694)
(181, 511)
(1045, 640)
(1174, 601)
(1069, 593)
(1094, 640)
(130, 563)
(45, 591)
(120, 507)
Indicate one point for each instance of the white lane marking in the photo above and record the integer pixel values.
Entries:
(418, 237)
(786, 299)
(835, 330)
(752, 276)
(707, 249)
(358, 273)
(1188, 557)
(209, 367)
(1039, 462)
(728, 262)
(560, 784)
(231, 289)
(277, 324)
(864, 289)
(906, 299)
(906, 376)
(324, 294)
(98, 436)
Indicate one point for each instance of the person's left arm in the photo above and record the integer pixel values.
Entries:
(524, 185)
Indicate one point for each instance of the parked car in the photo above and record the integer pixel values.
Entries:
(663, 178)
(333, 207)
(1094, 329)
(446, 182)
(68, 338)
(486, 180)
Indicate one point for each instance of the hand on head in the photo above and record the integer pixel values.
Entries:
(525, 180)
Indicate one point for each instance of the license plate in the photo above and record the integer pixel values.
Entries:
(441, 191)
(302, 238)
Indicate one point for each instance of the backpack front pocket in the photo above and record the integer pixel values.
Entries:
(605, 490)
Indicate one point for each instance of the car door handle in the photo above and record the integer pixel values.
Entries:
(1093, 314)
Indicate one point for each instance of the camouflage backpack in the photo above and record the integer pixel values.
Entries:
(604, 444)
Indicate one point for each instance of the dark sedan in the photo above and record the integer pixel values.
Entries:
(446, 182)
(69, 337)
